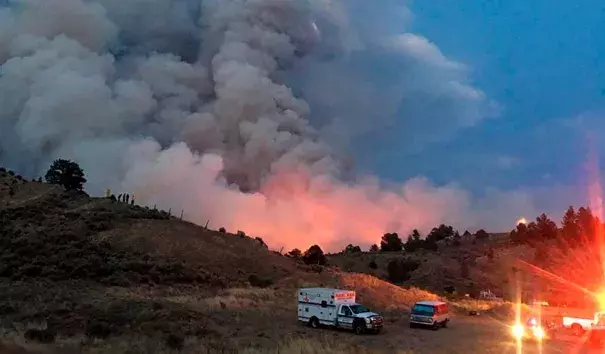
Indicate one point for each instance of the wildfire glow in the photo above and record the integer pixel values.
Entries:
(600, 296)
(521, 221)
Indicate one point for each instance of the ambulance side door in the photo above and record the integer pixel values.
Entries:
(345, 317)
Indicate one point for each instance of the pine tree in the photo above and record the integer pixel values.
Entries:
(570, 228)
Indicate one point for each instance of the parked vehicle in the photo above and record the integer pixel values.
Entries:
(596, 335)
(336, 308)
(433, 314)
(580, 325)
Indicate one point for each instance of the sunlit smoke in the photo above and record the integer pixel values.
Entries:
(184, 104)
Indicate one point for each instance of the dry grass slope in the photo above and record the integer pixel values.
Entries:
(88, 275)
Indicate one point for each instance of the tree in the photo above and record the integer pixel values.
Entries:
(481, 235)
(430, 245)
(66, 173)
(374, 248)
(546, 229)
(295, 253)
(569, 227)
(414, 242)
(524, 233)
(314, 255)
(457, 239)
(586, 224)
(391, 242)
(352, 249)
(440, 233)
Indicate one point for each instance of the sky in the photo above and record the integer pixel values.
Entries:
(543, 67)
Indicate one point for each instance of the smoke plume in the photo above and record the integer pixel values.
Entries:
(186, 104)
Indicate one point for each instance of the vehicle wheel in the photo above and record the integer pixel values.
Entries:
(412, 325)
(314, 322)
(358, 328)
(377, 330)
(577, 330)
(436, 326)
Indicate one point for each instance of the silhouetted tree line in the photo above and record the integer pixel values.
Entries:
(391, 242)
(577, 228)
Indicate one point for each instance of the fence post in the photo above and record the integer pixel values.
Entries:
(181, 214)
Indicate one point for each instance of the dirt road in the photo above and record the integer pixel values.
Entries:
(465, 335)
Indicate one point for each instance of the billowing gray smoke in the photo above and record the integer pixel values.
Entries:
(181, 102)
(106, 71)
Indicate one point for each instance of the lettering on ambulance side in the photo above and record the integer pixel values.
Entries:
(345, 316)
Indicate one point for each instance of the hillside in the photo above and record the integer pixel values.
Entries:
(546, 271)
(88, 274)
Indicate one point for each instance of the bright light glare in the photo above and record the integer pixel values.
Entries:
(522, 221)
(518, 331)
(600, 296)
(539, 333)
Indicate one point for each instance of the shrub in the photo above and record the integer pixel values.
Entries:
(352, 249)
(490, 254)
(175, 341)
(222, 230)
(259, 282)
(262, 243)
(241, 234)
(481, 235)
(449, 289)
(399, 270)
(373, 265)
(2, 170)
(41, 335)
(374, 248)
(97, 329)
(11, 173)
(295, 253)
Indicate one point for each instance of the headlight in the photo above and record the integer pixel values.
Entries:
(539, 333)
(368, 321)
(518, 331)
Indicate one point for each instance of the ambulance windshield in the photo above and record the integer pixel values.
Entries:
(357, 309)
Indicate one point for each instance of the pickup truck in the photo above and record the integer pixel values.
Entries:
(580, 325)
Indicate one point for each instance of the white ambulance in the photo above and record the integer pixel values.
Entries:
(337, 308)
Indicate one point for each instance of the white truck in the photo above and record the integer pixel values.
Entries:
(580, 325)
(336, 308)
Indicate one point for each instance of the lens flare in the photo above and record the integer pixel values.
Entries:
(539, 333)
(518, 330)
